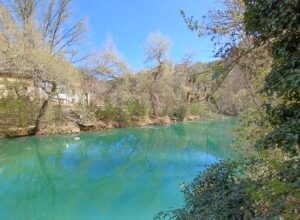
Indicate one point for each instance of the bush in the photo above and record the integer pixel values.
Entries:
(112, 113)
(197, 109)
(125, 114)
(16, 112)
(242, 189)
(179, 113)
(136, 110)
(214, 194)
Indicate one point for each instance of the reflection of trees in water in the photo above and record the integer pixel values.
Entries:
(49, 172)
(27, 184)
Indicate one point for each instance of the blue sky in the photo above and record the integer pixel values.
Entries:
(130, 22)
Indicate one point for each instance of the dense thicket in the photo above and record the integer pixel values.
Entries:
(265, 183)
(276, 23)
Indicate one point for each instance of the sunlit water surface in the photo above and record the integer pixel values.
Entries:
(125, 174)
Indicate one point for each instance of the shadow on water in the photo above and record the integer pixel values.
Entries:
(121, 174)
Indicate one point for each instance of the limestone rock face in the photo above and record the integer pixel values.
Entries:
(15, 132)
(70, 127)
(66, 128)
(101, 125)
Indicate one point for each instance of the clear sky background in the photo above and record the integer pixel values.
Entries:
(130, 22)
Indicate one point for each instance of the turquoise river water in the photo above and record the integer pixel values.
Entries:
(128, 174)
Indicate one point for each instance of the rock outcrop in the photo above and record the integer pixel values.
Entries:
(75, 123)
(15, 132)
(67, 127)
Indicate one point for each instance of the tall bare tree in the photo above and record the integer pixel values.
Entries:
(38, 39)
(107, 74)
(110, 64)
(156, 53)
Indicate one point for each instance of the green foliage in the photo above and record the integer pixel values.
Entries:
(16, 112)
(125, 114)
(9, 105)
(251, 127)
(216, 74)
(135, 109)
(179, 113)
(276, 23)
(13, 108)
(267, 186)
(219, 71)
(197, 108)
(218, 193)
(112, 113)
(285, 121)
(244, 189)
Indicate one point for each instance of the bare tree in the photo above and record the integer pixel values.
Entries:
(226, 29)
(51, 19)
(110, 64)
(37, 37)
(110, 70)
(156, 52)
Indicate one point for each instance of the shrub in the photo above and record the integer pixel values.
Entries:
(214, 194)
(197, 109)
(124, 114)
(135, 109)
(242, 189)
(16, 112)
(179, 113)
(113, 113)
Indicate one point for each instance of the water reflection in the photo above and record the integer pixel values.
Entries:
(121, 174)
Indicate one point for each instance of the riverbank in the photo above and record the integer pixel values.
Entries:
(70, 127)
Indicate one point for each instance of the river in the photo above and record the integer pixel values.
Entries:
(130, 173)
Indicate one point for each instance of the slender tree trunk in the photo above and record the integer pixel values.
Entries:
(153, 105)
(153, 101)
(43, 111)
(153, 97)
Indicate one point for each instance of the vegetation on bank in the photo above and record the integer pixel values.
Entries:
(128, 113)
(265, 183)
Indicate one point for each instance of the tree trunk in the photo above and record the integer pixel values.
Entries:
(153, 101)
(153, 105)
(43, 111)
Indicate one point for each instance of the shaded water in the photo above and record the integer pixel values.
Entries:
(128, 173)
